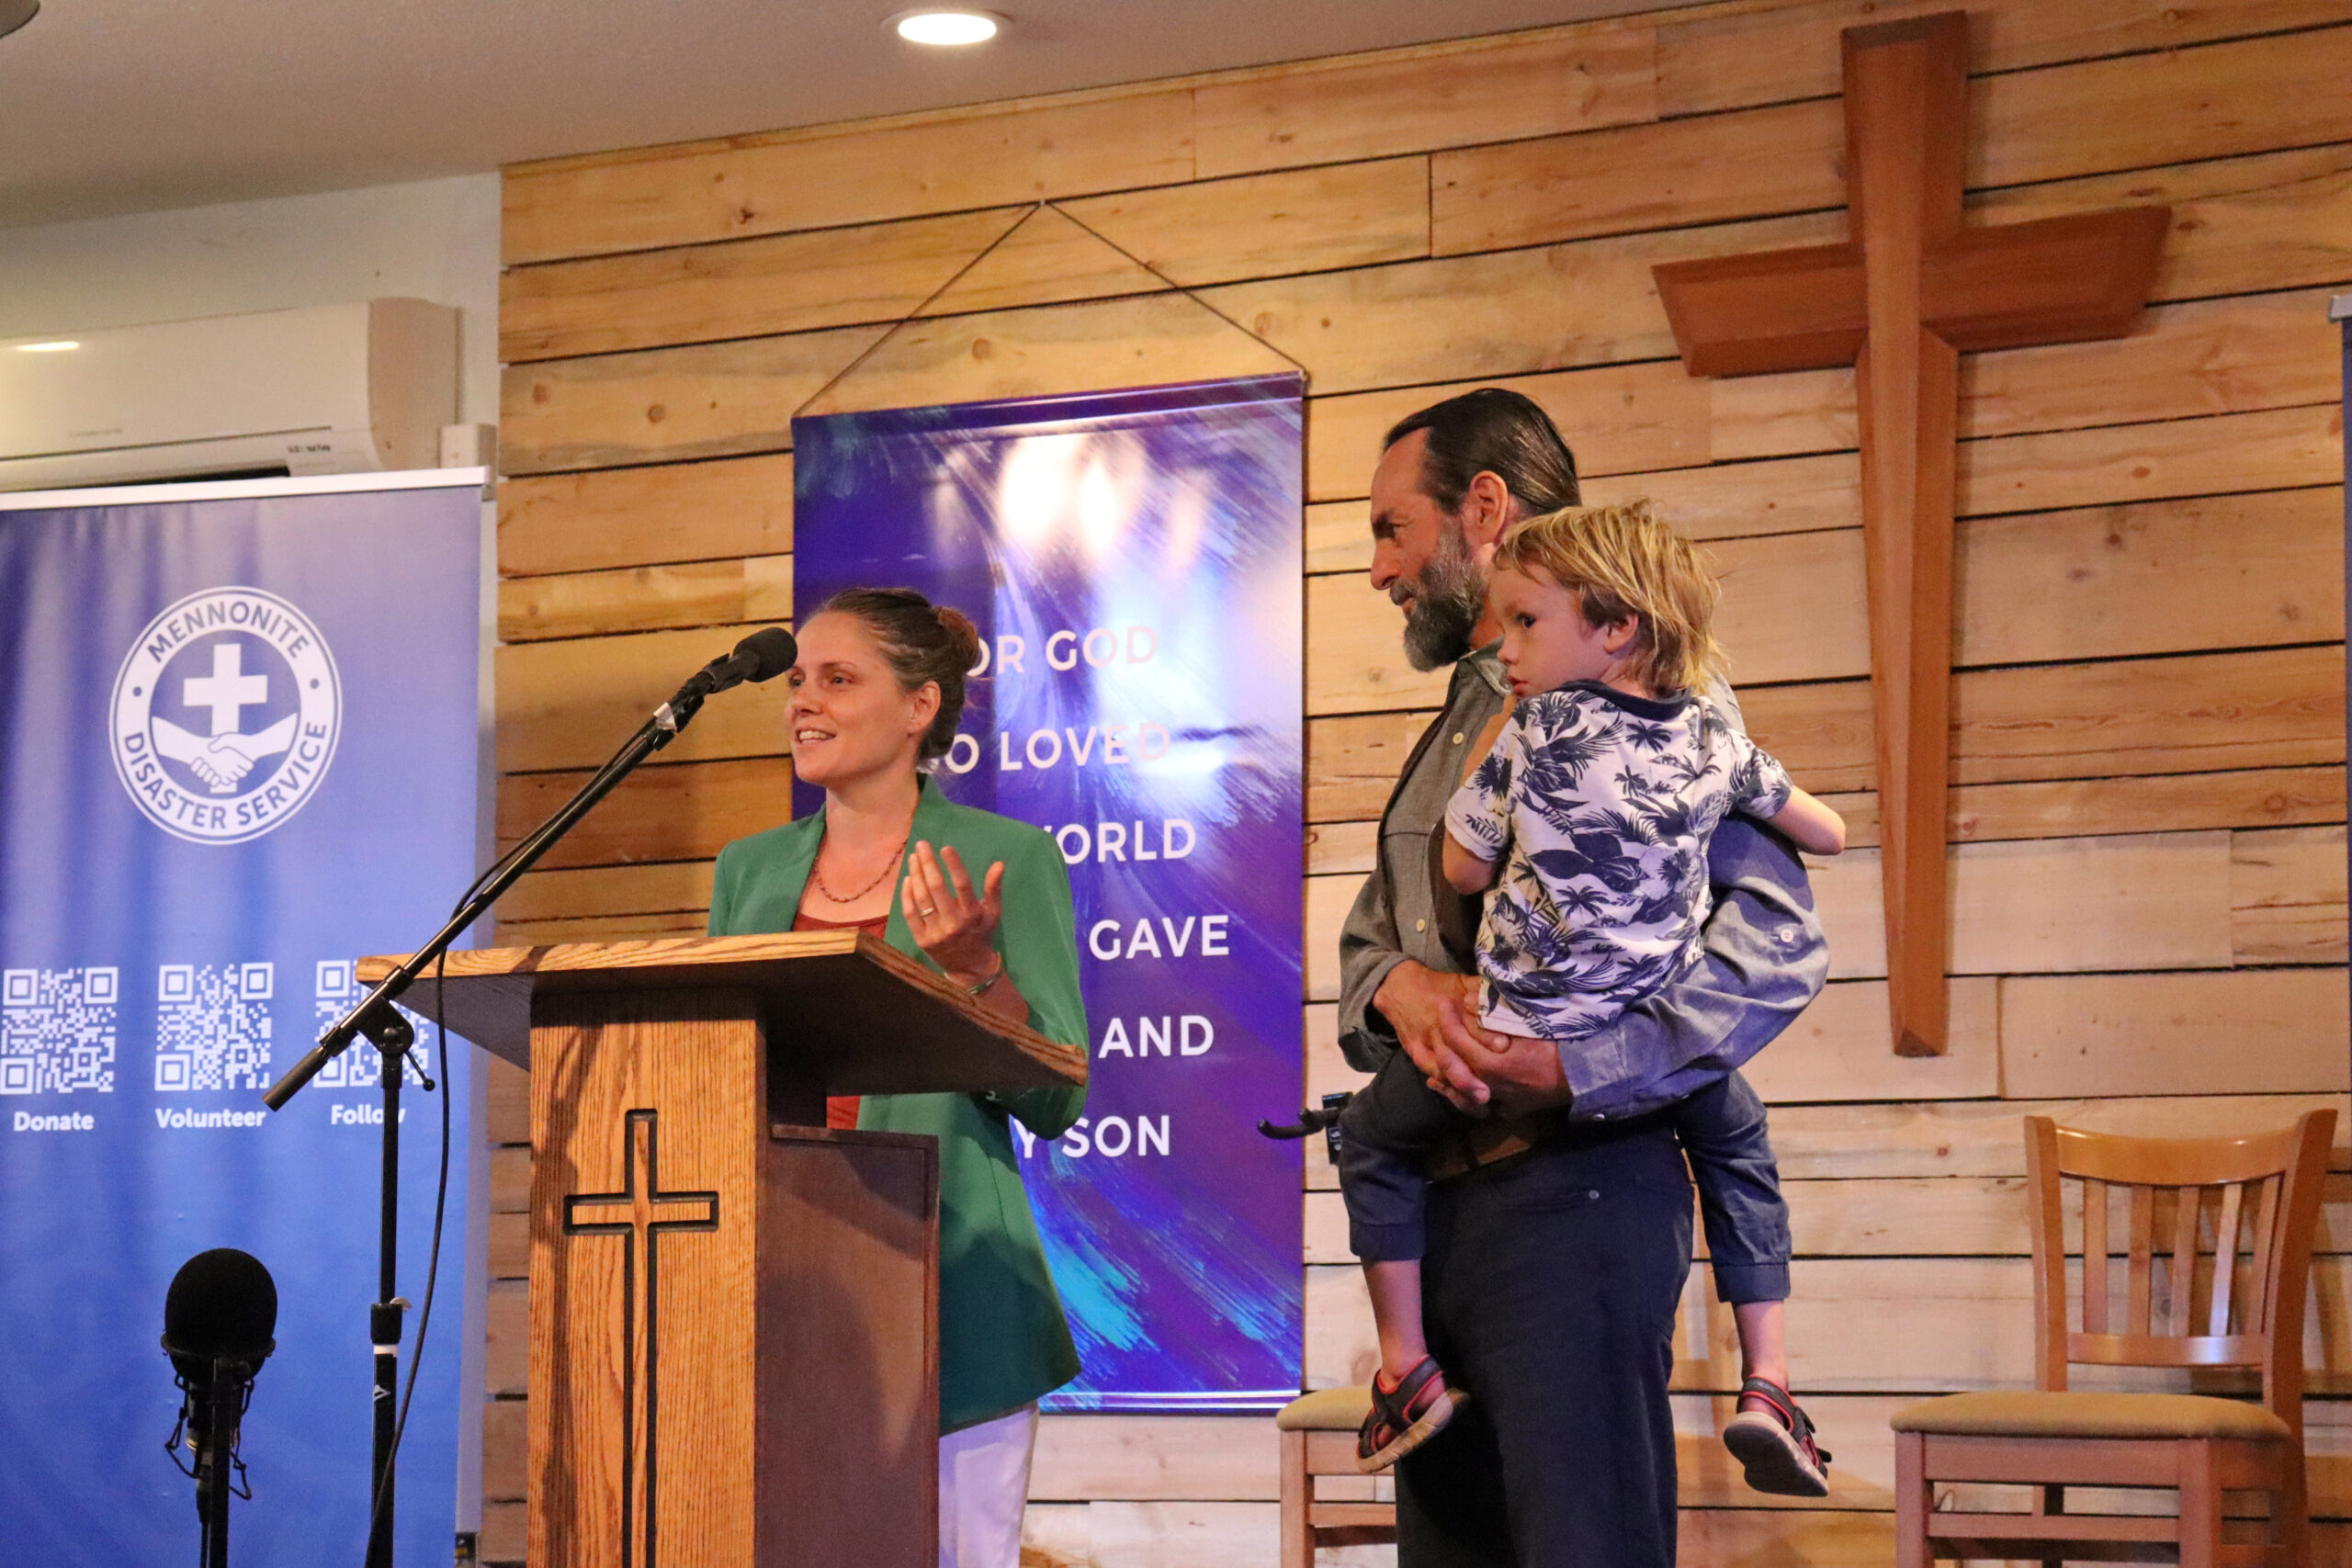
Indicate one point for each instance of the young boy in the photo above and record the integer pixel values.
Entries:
(1585, 817)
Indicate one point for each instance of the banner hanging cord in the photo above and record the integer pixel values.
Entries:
(932, 297)
(842, 374)
(1192, 294)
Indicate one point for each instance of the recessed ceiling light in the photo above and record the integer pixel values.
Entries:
(14, 13)
(58, 347)
(945, 29)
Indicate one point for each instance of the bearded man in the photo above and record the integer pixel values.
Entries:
(1559, 1236)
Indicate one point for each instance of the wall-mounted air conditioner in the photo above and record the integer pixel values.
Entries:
(322, 390)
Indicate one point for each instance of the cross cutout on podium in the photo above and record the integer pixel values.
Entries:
(642, 1212)
(1910, 292)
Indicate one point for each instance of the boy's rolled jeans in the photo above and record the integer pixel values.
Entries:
(1394, 1121)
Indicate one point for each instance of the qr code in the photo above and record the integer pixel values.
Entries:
(57, 1030)
(362, 1065)
(212, 1027)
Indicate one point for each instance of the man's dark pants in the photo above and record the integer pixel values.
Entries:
(1549, 1292)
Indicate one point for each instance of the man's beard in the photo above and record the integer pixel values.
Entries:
(1448, 598)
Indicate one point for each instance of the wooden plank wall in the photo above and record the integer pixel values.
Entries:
(2148, 729)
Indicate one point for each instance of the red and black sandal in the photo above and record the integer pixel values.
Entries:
(1775, 1443)
(1404, 1418)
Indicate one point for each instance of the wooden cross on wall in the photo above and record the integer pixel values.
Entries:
(641, 1212)
(1901, 300)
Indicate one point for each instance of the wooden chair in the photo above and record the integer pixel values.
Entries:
(2239, 1214)
(1318, 1437)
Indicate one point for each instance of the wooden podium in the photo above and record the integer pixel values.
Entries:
(734, 1332)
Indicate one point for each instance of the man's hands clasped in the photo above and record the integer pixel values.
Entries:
(1435, 1017)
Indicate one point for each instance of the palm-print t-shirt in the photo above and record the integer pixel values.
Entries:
(1604, 804)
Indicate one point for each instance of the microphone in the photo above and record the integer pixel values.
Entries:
(762, 656)
(219, 1316)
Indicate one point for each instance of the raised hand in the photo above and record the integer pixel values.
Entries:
(949, 921)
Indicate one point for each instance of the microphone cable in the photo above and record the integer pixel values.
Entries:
(441, 1187)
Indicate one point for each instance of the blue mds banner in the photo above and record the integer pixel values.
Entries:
(237, 749)
(1133, 561)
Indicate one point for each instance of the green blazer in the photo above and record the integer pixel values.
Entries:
(1003, 1341)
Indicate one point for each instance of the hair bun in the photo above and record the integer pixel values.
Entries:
(961, 635)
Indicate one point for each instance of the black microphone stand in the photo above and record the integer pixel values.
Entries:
(211, 1413)
(214, 1459)
(382, 1024)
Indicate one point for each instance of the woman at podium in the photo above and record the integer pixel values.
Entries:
(875, 696)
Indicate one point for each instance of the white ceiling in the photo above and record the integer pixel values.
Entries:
(125, 105)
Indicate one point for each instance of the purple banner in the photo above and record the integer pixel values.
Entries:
(1133, 560)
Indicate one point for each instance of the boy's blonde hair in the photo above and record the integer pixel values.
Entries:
(1621, 561)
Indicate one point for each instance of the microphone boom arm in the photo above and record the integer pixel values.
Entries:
(375, 1016)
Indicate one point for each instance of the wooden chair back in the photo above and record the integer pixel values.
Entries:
(2215, 1250)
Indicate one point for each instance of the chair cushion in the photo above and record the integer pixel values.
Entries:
(1326, 1410)
(2032, 1412)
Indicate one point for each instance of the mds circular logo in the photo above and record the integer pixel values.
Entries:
(225, 713)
